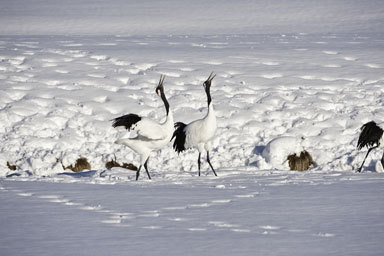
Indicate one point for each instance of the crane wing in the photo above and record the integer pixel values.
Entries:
(150, 129)
(127, 121)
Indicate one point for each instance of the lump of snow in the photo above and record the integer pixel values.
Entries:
(379, 167)
(278, 149)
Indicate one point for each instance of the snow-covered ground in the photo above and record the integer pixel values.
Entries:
(295, 70)
(240, 214)
(60, 93)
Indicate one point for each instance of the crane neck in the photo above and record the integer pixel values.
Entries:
(209, 99)
(165, 101)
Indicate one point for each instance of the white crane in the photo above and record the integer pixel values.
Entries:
(371, 136)
(199, 133)
(151, 135)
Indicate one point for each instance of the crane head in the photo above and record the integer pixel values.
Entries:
(160, 88)
(207, 83)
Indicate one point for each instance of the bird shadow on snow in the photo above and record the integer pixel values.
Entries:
(86, 174)
(258, 150)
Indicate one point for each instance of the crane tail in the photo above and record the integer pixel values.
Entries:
(370, 135)
(179, 135)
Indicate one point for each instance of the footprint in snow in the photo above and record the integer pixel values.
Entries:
(25, 194)
(371, 65)
(172, 208)
(270, 63)
(99, 57)
(176, 219)
(106, 44)
(150, 214)
(350, 58)
(97, 75)
(118, 62)
(197, 229)
(221, 201)
(202, 205)
(308, 77)
(187, 69)
(245, 196)
(272, 75)
(239, 230)
(331, 66)
(269, 227)
(73, 45)
(326, 235)
(269, 230)
(152, 227)
(62, 71)
(214, 63)
(52, 82)
(222, 224)
(176, 61)
(331, 52)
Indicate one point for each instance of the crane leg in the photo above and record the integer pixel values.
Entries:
(209, 162)
(138, 173)
(369, 150)
(382, 161)
(198, 162)
(146, 168)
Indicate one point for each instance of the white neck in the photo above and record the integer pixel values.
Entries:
(211, 113)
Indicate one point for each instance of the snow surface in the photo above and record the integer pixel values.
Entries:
(255, 213)
(60, 93)
(198, 17)
(286, 70)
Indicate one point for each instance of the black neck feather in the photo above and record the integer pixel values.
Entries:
(166, 104)
(208, 92)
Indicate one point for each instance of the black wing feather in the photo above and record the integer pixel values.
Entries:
(370, 134)
(127, 121)
(179, 135)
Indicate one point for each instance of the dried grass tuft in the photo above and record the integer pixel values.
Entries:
(300, 163)
(11, 167)
(81, 164)
(114, 163)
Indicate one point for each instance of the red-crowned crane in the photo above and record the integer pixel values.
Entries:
(151, 135)
(371, 136)
(199, 133)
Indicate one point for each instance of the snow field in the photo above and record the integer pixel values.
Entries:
(59, 94)
(317, 213)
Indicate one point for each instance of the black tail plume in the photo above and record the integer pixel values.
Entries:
(179, 135)
(370, 134)
(127, 121)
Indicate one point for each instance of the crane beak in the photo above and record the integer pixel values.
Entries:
(207, 83)
(211, 76)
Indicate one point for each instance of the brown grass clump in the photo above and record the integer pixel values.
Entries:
(81, 164)
(11, 167)
(300, 163)
(113, 163)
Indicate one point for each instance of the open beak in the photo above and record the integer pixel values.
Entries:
(209, 80)
(211, 76)
(160, 85)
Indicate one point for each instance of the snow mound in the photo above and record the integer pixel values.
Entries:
(278, 149)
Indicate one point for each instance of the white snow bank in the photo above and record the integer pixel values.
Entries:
(60, 93)
(277, 150)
